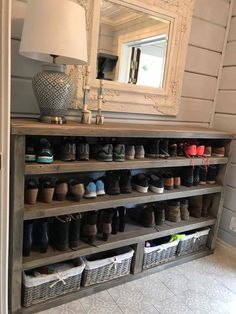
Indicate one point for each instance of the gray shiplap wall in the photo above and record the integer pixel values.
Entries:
(201, 70)
(225, 119)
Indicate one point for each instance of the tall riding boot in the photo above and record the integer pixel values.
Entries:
(74, 234)
(27, 237)
(105, 223)
(122, 218)
(41, 235)
(61, 225)
(90, 226)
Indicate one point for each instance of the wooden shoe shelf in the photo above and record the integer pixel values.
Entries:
(134, 235)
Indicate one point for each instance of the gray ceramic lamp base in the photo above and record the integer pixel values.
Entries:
(54, 91)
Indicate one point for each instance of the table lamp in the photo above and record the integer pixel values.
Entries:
(54, 32)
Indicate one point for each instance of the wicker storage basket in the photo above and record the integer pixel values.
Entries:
(44, 287)
(114, 266)
(159, 254)
(193, 242)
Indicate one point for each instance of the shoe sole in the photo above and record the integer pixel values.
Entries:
(113, 192)
(30, 157)
(45, 160)
(105, 159)
(90, 195)
(152, 155)
(129, 157)
(125, 191)
(156, 189)
(101, 192)
(170, 187)
(202, 182)
(211, 182)
(139, 156)
(119, 159)
(217, 155)
(141, 189)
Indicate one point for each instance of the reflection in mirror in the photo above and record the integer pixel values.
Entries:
(132, 46)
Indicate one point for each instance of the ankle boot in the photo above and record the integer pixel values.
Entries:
(147, 218)
(61, 226)
(74, 234)
(90, 226)
(61, 190)
(207, 204)
(173, 211)
(184, 203)
(159, 211)
(27, 237)
(122, 218)
(105, 223)
(115, 222)
(41, 235)
(195, 206)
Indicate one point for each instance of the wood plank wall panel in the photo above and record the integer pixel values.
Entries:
(225, 111)
(202, 66)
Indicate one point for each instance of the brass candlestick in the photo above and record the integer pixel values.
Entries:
(99, 116)
(86, 115)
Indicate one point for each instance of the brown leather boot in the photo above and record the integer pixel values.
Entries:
(173, 211)
(90, 226)
(207, 204)
(195, 206)
(184, 203)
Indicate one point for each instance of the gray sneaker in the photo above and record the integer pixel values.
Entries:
(82, 151)
(129, 152)
(139, 152)
(119, 152)
(104, 152)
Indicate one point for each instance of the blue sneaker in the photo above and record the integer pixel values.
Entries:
(100, 189)
(45, 153)
(90, 190)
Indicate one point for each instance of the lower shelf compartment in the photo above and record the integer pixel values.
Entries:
(99, 287)
(133, 234)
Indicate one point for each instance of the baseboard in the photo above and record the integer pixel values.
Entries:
(231, 250)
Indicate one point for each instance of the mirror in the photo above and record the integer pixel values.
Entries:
(132, 46)
(139, 50)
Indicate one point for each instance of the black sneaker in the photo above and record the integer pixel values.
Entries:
(67, 149)
(82, 150)
(156, 184)
(125, 181)
(140, 182)
(119, 152)
(30, 153)
(202, 175)
(45, 153)
(196, 178)
(211, 174)
(112, 186)
(104, 152)
(187, 176)
(152, 149)
(164, 149)
(180, 149)
(173, 149)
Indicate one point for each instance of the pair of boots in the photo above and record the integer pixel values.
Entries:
(35, 236)
(66, 232)
(148, 215)
(97, 222)
(177, 210)
(118, 220)
(199, 206)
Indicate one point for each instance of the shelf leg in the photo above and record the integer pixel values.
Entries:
(16, 222)
(137, 264)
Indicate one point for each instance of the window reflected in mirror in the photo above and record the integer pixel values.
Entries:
(132, 46)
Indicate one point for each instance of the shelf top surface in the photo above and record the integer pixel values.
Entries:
(33, 127)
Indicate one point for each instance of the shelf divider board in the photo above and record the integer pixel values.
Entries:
(16, 221)
(41, 210)
(134, 234)
(83, 292)
(92, 165)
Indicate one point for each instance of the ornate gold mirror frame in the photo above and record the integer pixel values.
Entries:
(129, 98)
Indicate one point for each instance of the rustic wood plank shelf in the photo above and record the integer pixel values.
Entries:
(72, 128)
(56, 208)
(92, 165)
(110, 284)
(133, 234)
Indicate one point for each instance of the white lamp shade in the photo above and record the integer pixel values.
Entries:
(55, 27)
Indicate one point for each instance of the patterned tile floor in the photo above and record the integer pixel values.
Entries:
(204, 286)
